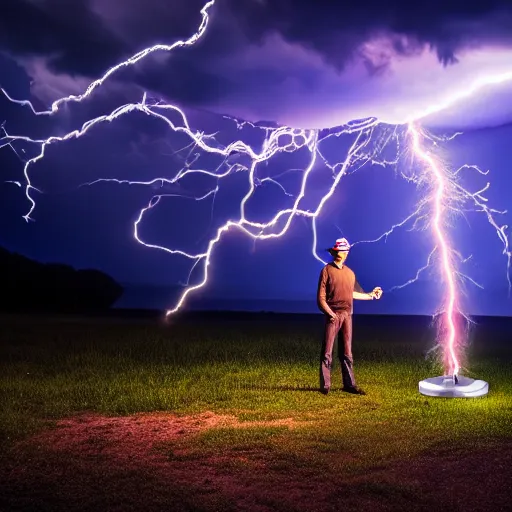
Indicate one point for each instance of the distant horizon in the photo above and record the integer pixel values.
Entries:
(161, 298)
(288, 313)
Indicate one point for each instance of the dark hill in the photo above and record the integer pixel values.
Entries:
(27, 285)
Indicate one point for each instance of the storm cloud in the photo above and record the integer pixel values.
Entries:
(253, 49)
(338, 30)
(90, 35)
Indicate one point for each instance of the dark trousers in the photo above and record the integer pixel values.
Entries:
(341, 327)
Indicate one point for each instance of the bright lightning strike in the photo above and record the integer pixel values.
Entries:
(371, 140)
(447, 267)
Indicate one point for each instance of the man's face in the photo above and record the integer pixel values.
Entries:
(340, 256)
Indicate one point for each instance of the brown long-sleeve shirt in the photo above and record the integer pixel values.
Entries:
(335, 288)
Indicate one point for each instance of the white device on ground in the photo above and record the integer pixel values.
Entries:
(453, 386)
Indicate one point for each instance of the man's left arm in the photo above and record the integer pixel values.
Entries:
(360, 294)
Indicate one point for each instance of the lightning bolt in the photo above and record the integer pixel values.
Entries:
(126, 63)
(442, 242)
(372, 140)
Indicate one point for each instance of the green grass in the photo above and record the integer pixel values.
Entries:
(50, 368)
(264, 373)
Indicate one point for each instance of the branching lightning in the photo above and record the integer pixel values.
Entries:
(439, 199)
(412, 147)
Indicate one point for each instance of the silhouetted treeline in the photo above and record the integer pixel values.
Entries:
(27, 285)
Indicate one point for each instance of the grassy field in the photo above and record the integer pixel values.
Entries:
(224, 413)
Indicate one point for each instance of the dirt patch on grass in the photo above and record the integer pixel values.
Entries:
(93, 462)
(121, 437)
(135, 436)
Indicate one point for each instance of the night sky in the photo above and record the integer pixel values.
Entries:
(306, 64)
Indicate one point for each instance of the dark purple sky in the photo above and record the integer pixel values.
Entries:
(302, 63)
(307, 64)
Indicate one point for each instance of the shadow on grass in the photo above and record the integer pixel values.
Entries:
(259, 387)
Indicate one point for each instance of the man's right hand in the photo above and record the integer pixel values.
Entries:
(332, 318)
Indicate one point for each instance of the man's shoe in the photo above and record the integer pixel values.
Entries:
(324, 391)
(354, 390)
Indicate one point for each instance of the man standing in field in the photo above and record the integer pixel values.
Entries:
(337, 287)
